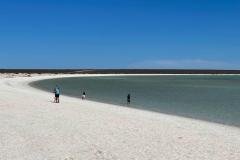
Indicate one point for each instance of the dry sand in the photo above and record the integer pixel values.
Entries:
(34, 128)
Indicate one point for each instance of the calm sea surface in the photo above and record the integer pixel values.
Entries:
(210, 98)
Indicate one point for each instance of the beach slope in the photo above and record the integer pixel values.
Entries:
(32, 127)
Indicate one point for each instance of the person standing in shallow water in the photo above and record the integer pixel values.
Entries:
(128, 99)
(57, 94)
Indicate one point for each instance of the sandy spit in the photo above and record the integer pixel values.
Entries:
(32, 127)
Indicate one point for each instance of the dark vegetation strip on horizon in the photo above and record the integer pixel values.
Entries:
(120, 71)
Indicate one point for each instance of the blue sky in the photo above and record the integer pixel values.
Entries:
(120, 34)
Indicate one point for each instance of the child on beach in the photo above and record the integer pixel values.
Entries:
(84, 95)
(57, 94)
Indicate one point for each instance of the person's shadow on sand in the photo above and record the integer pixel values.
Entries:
(51, 101)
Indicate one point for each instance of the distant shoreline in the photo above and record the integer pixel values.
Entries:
(119, 71)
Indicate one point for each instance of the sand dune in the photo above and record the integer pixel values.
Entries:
(34, 128)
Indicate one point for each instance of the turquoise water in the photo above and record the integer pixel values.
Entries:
(209, 98)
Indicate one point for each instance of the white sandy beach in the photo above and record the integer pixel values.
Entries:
(34, 128)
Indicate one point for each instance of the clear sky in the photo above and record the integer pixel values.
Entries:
(120, 34)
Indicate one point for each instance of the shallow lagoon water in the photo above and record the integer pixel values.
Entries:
(214, 98)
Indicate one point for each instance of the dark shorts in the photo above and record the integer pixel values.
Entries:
(57, 95)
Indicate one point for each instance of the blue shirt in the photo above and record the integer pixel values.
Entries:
(57, 91)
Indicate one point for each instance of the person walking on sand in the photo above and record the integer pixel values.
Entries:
(84, 95)
(128, 99)
(57, 94)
